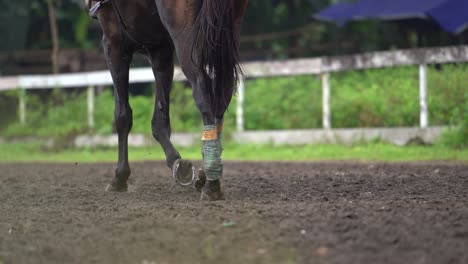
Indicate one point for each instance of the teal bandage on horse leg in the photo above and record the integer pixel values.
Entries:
(219, 129)
(212, 163)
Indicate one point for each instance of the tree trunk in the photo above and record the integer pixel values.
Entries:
(54, 36)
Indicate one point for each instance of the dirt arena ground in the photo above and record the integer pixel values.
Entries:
(335, 212)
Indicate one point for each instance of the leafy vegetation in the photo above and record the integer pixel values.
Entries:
(372, 98)
(457, 135)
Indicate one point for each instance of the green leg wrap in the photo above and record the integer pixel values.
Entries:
(220, 139)
(212, 163)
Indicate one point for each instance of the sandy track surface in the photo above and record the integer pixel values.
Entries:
(281, 212)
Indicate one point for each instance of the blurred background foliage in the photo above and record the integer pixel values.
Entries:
(283, 28)
(273, 29)
(372, 98)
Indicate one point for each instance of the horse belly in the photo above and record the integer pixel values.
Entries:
(144, 24)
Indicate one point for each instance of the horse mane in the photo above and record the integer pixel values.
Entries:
(215, 48)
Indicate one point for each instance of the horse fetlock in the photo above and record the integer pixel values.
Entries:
(200, 182)
(172, 157)
(119, 182)
(122, 174)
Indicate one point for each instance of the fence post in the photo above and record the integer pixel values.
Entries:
(240, 105)
(22, 105)
(90, 95)
(423, 120)
(326, 114)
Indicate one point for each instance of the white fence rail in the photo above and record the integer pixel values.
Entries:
(323, 66)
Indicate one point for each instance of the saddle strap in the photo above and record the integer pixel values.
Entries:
(93, 10)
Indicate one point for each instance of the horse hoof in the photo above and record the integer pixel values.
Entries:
(113, 188)
(217, 196)
(207, 194)
(183, 172)
(201, 180)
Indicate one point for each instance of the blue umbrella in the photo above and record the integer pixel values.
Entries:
(339, 13)
(450, 15)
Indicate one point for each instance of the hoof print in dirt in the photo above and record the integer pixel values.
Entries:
(183, 172)
(113, 188)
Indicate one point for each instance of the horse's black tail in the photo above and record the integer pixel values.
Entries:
(215, 48)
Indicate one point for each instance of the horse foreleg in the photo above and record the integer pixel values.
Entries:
(163, 69)
(118, 60)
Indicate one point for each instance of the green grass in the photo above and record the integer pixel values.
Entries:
(25, 152)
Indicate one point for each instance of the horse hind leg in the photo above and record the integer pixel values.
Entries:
(183, 171)
(209, 183)
(212, 165)
(209, 175)
(201, 181)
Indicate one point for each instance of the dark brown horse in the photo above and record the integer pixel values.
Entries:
(204, 35)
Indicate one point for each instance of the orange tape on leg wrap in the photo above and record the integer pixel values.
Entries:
(210, 134)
